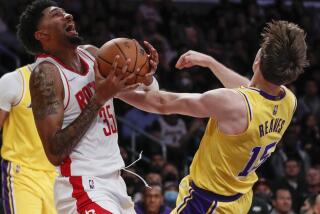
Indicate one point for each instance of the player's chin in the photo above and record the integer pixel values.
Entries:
(75, 39)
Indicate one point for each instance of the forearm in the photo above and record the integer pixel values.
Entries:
(151, 101)
(64, 140)
(228, 77)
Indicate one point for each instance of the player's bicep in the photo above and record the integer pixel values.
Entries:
(46, 90)
(212, 103)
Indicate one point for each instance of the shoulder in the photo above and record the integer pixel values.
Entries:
(12, 82)
(45, 75)
(228, 103)
(14, 76)
(91, 49)
(290, 98)
(45, 68)
(11, 87)
(225, 97)
(289, 93)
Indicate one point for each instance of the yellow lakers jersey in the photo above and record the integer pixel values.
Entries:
(226, 164)
(21, 143)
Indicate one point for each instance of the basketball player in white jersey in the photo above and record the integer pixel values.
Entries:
(74, 113)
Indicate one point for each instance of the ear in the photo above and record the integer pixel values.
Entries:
(256, 63)
(41, 35)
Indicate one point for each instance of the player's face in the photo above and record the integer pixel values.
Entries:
(283, 201)
(57, 25)
(153, 199)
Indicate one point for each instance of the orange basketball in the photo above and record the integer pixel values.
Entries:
(125, 48)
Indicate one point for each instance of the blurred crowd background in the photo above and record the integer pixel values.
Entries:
(289, 181)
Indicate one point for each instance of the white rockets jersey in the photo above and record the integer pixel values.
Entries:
(98, 152)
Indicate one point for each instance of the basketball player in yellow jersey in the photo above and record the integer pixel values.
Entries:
(27, 175)
(245, 124)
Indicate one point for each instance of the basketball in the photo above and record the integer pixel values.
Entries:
(126, 49)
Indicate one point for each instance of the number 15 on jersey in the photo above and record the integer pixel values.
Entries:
(251, 165)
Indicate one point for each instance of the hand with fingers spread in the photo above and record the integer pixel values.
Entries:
(107, 88)
(193, 58)
(153, 61)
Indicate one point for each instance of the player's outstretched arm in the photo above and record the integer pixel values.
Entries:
(47, 95)
(214, 103)
(228, 77)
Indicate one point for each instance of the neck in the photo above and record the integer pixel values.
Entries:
(283, 212)
(292, 179)
(69, 57)
(259, 82)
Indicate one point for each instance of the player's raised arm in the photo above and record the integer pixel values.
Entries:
(228, 77)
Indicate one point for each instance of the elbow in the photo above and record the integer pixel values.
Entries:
(54, 156)
(55, 161)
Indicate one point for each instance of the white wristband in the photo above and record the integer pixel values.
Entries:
(154, 86)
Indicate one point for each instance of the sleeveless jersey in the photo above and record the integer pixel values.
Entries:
(21, 142)
(98, 152)
(225, 164)
(171, 134)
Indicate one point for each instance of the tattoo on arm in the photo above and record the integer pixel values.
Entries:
(68, 138)
(44, 96)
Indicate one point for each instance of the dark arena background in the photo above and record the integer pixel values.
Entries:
(230, 32)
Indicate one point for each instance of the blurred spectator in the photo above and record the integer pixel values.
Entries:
(310, 102)
(293, 182)
(149, 11)
(152, 202)
(153, 178)
(313, 181)
(171, 192)
(262, 194)
(311, 205)
(311, 137)
(157, 163)
(316, 207)
(171, 129)
(170, 173)
(193, 38)
(139, 119)
(282, 202)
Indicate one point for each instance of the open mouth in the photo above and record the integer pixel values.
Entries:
(71, 29)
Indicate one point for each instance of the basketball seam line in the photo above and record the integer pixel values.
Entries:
(144, 64)
(106, 61)
(125, 57)
(135, 63)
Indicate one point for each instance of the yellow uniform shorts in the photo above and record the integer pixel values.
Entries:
(27, 191)
(194, 200)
